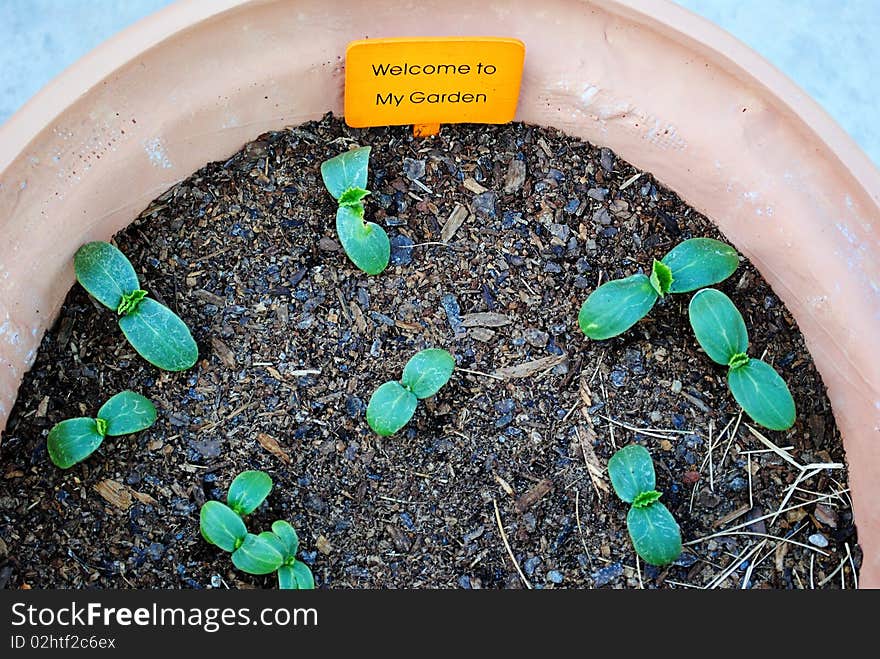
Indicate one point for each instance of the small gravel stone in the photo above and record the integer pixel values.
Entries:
(484, 204)
(401, 250)
(602, 216)
(413, 169)
(605, 575)
(560, 231)
(606, 159)
(676, 386)
(515, 176)
(536, 338)
(453, 314)
(818, 540)
(555, 576)
(598, 194)
(618, 377)
(530, 564)
(354, 406)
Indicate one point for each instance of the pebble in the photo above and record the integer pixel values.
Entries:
(464, 581)
(572, 205)
(606, 159)
(818, 540)
(515, 176)
(401, 250)
(602, 216)
(552, 267)
(530, 564)
(738, 484)
(216, 581)
(354, 406)
(826, 514)
(555, 576)
(155, 550)
(505, 406)
(536, 338)
(685, 559)
(413, 169)
(656, 417)
(598, 194)
(453, 314)
(605, 575)
(484, 204)
(676, 386)
(583, 265)
(560, 231)
(618, 377)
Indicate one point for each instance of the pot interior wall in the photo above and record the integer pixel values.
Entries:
(665, 90)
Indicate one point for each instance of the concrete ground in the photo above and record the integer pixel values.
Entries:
(831, 48)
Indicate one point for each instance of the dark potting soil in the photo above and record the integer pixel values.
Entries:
(498, 234)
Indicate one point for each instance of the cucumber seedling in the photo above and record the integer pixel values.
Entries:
(222, 525)
(755, 385)
(652, 528)
(393, 404)
(617, 305)
(73, 440)
(366, 243)
(154, 331)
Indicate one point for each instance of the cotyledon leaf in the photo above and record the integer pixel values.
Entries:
(763, 394)
(127, 412)
(345, 171)
(248, 490)
(718, 325)
(305, 580)
(105, 273)
(287, 578)
(366, 243)
(257, 555)
(287, 534)
(160, 336)
(699, 262)
(72, 441)
(390, 408)
(221, 526)
(616, 306)
(654, 533)
(427, 371)
(631, 471)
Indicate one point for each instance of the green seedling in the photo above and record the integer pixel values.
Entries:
(222, 525)
(393, 404)
(652, 528)
(366, 243)
(154, 331)
(293, 574)
(755, 385)
(73, 440)
(617, 305)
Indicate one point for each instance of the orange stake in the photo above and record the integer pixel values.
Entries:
(425, 130)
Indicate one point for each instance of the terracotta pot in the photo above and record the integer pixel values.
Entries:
(666, 90)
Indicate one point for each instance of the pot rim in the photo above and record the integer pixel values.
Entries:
(664, 16)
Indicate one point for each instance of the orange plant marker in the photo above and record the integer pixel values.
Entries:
(428, 81)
